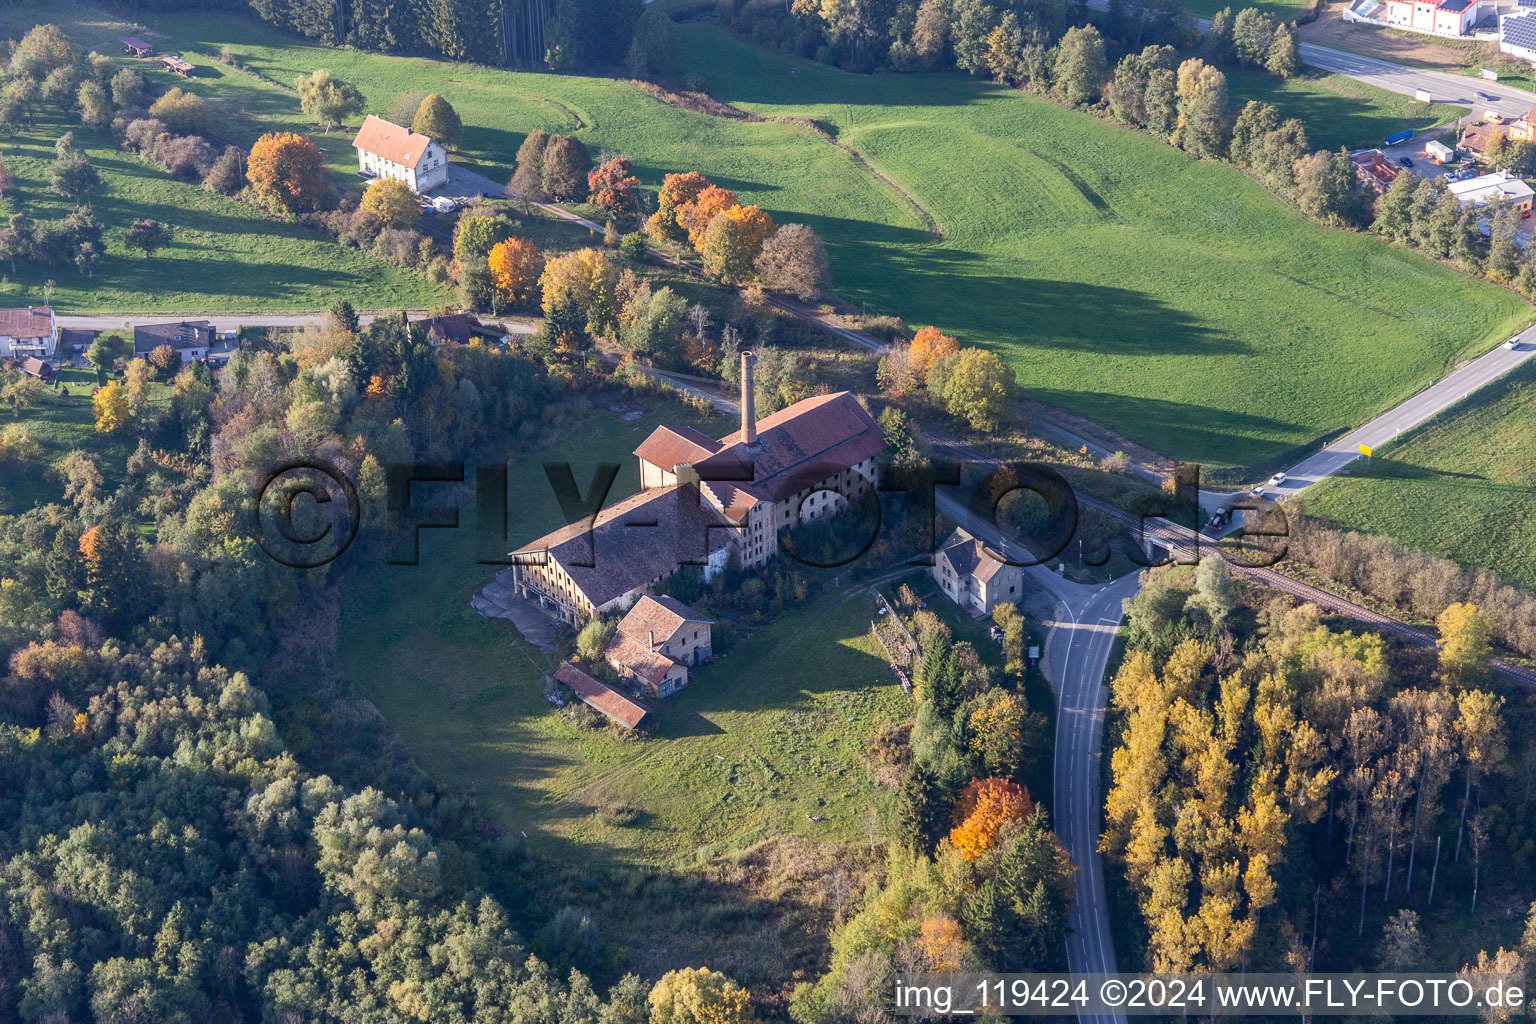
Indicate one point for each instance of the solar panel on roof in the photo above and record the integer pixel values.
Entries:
(1455, 6)
(1521, 31)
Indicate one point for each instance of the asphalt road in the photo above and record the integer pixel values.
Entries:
(1433, 400)
(1443, 86)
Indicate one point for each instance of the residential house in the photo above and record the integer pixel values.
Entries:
(386, 150)
(192, 339)
(1490, 188)
(33, 331)
(452, 327)
(657, 642)
(704, 500)
(599, 696)
(974, 576)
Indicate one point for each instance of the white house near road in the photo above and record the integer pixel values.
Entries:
(32, 331)
(386, 150)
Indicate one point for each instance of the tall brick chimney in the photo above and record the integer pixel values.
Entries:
(748, 400)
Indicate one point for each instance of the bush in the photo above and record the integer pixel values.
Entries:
(632, 246)
(620, 815)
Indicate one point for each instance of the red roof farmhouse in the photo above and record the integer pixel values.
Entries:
(386, 150)
(703, 500)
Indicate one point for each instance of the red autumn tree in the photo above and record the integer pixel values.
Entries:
(985, 808)
(612, 185)
(285, 170)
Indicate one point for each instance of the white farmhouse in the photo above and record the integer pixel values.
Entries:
(386, 150)
(33, 331)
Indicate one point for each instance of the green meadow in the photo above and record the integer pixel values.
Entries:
(1462, 485)
(1174, 301)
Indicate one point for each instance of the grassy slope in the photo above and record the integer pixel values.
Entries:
(1338, 111)
(226, 255)
(766, 736)
(1459, 486)
(1172, 300)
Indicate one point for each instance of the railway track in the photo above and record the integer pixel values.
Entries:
(1175, 538)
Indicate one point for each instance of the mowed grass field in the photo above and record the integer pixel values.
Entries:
(767, 738)
(1462, 486)
(1337, 110)
(1174, 301)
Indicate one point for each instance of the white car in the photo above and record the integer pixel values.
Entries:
(1277, 480)
(1513, 343)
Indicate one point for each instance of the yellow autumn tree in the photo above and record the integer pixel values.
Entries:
(113, 410)
(927, 345)
(588, 277)
(755, 226)
(1466, 648)
(694, 216)
(516, 265)
(698, 995)
(942, 944)
(986, 807)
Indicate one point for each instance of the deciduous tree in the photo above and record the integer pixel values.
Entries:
(392, 201)
(328, 99)
(436, 118)
(113, 412)
(285, 170)
(986, 807)
(793, 260)
(516, 266)
(147, 236)
(612, 185)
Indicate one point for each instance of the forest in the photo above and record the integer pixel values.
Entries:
(1291, 795)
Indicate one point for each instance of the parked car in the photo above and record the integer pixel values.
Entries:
(442, 204)
(1406, 161)
(1257, 492)
(1277, 480)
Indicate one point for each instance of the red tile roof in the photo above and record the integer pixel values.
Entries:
(797, 447)
(633, 542)
(26, 322)
(662, 616)
(390, 141)
(594, 693)
(639, 657)
(668, 447)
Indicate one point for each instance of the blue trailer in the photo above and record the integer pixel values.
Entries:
(1393, 140)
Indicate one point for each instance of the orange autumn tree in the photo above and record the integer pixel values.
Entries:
(284, 169)
(986, 807)
(516, 265)
(755, 226)
(929, 344)
(694, 217)
(677, 191)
